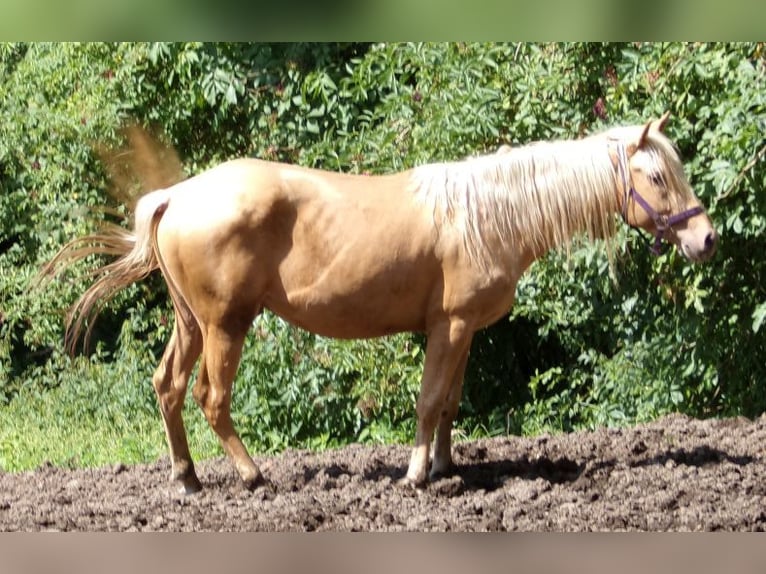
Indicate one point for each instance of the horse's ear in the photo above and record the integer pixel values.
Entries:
(659, 125)
(633, 147)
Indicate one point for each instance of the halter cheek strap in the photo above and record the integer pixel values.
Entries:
(662, 223)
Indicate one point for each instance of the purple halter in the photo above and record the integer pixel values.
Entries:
(661, 222)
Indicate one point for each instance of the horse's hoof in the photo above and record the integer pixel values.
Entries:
(447, 472)
(189, 487)
(184, 476)
(412, 484)
(257, 481)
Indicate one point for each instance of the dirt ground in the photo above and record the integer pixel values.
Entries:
(676, 473)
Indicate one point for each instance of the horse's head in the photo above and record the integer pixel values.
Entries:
(657, 196)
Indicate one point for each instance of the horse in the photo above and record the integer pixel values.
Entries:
(437, 249)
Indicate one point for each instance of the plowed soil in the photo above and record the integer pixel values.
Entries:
(676, 473)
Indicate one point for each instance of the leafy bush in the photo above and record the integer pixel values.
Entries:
(580, 348)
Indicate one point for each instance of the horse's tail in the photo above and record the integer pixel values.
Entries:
(136, 258)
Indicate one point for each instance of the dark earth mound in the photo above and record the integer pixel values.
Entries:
(676, 473)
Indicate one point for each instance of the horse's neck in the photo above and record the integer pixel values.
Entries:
(552, 192)
(532, 198)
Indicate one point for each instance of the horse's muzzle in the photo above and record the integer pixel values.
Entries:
(700, 250)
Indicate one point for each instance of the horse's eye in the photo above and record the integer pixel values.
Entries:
(657, 180)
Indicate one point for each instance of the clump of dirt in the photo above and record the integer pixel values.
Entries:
(676, 473)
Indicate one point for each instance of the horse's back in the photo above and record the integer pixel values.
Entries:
(339, 254)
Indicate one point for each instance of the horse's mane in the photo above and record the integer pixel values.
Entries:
(537, 196)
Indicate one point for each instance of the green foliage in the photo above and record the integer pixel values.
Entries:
(87, 412)
(585, 345)
(298, 389)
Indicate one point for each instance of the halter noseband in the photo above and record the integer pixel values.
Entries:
(662, 223)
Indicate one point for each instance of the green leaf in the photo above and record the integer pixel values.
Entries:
(759, 315)
(231, 95)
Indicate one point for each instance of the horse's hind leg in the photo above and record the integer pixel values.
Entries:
(170, 382)
(212, 391)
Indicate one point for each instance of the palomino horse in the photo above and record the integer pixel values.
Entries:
(437, 249)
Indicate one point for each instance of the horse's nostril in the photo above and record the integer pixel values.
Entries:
(710, 240)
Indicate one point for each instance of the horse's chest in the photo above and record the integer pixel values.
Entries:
(481, 300)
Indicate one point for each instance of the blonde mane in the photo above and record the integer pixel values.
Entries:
(538, 196)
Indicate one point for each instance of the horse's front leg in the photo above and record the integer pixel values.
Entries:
(448, 343)
(442, 463)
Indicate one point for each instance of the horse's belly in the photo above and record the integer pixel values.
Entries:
(356, 310)
(352, 325)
